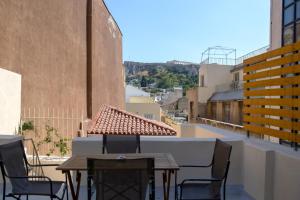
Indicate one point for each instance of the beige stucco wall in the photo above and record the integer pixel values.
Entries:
(214, 75)
(275, 26)
(219, 111)
(241, 74)
(145, 108)
(235, 112)
(108, 70)
(192, 95)
(10, 101)
(45, 42)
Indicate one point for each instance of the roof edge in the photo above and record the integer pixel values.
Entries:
(112, 16)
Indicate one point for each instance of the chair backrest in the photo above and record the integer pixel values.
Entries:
(122, 178)
(121, 144)
(221, 159)
(32, 157)
(14, 164)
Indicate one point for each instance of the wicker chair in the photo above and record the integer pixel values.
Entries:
(15, 167)
(121, 179)
(209, 188)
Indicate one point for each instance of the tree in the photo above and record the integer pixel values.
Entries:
(143, 82)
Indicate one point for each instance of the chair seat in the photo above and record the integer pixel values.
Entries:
(41, 188)
(199, 191)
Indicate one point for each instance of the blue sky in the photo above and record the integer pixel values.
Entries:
(162, 30)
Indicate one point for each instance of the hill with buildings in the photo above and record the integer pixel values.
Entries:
(157, 76)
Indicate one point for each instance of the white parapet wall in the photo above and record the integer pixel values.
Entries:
(10, 101)
(265, 170)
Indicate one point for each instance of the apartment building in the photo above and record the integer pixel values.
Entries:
(145, 107)
(210, 77)
(219, 95)
(68, 52)
(285, 22)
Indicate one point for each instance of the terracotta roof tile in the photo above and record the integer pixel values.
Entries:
(111, 120)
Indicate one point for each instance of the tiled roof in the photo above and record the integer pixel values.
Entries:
(112, 121)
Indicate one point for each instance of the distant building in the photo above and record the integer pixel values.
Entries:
(144, 106)
(212, 77)
(178, 107)
(219, 95)
(132, 91)
(177, 62)
(171, 96)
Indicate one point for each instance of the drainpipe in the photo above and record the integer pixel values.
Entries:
(89, 57)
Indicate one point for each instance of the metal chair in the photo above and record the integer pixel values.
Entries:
(209, 188)
(119, 179)
(121, 144)
(15, 167)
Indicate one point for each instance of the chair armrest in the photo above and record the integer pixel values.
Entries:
(201, 180)
(195, 166)
(44, 165)
(26, 177)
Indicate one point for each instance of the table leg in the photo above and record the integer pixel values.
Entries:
(75, 195)
(166, 183)
(176, 189)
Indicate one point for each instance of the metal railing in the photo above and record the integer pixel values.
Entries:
(217, 123)
(220, 61)
(256, 52)
(48, 126)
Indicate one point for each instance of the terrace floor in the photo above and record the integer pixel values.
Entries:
(233, 193)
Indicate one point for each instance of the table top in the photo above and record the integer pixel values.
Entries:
(162, 161)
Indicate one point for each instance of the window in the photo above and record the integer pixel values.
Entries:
(288, 2)
(288, 35)
(288, 15)
(291, 22)
(298, 31)
(148, 116)
(236, 77)
(298, 10)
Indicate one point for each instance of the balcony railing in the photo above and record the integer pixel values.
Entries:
(272, 91)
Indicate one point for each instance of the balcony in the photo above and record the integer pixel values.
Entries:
(259, 169)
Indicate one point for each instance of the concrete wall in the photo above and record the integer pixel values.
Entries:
(265, 170)
(204, 93)
(108, 70)
(45, 42)
(235, 112)
(184, 150)
(10, 101)
(143, 109)
(274, 167)
(192, 95)
(220, 110)
(214, 75)
(276, 24)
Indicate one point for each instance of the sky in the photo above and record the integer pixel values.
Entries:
(163, 30)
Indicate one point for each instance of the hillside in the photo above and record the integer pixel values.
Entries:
(158, 76)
